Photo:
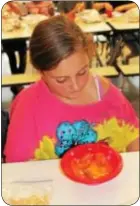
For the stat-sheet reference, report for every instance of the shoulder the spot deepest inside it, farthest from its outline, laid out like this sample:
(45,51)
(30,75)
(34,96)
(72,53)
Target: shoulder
(28,93)
(26,99)
(110,89)
(105,84)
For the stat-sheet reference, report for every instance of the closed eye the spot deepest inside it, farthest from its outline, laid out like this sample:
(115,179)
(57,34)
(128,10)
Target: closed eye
(82,73)
(61,81)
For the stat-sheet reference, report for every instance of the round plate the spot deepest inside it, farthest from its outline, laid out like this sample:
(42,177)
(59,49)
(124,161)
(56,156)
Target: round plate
(91,154)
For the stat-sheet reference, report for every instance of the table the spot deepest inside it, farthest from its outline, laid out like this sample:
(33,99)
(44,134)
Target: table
(19,79)
(26,33)
(17,34)
(122,30)
(101,27)
(131,69)
(107,71)
(122,189)
(24,79)
(123,26)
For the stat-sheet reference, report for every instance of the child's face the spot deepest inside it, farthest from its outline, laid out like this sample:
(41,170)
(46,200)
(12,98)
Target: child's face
(70,76)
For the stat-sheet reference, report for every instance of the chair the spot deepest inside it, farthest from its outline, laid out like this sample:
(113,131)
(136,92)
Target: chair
(4,128)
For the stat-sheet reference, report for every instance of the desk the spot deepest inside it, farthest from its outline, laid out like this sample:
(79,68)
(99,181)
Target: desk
(122,189)
(19,79)
(23,79)
(131,69)
(108,71)
(122,26)
(93,28)
(17,34)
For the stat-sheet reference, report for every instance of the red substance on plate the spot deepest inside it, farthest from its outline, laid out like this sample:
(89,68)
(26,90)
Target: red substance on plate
(91,163)
(109,13)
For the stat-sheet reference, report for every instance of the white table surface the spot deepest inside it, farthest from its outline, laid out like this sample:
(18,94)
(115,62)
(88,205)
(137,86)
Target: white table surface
(124,189)
(24,32)
(17,34)
(120,22)
(93,28)
(120,25)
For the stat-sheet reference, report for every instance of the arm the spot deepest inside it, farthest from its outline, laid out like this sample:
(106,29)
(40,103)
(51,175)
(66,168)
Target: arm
(32,8)
(102,5)
(124,124)
(78,8)
(134,146)
(126,7)
(18,7)
(131,118)
(21,132)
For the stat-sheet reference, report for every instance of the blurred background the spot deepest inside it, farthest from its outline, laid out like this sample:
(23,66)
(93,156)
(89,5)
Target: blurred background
(113,26)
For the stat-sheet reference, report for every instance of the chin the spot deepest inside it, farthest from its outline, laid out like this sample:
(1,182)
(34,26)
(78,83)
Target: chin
(74,95)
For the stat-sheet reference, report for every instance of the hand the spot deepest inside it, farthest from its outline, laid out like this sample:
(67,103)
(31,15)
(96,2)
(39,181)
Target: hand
(134,146)
(18,8)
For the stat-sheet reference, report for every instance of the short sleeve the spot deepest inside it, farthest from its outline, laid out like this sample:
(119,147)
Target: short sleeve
(129,113)
(123,121)
(22,131)
(130,122)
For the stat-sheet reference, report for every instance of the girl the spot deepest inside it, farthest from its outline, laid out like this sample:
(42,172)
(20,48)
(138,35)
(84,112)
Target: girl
(69,105)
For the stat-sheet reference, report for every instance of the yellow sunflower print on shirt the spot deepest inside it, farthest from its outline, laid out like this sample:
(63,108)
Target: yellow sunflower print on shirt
(46,149)
(118,134)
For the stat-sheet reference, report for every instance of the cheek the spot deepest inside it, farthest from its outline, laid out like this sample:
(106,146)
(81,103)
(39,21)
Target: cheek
(57,88)
(54,87)
(61,89)
(82,81)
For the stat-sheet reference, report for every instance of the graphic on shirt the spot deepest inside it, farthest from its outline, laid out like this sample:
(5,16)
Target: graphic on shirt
(118,134)
(46,149)
(69,135)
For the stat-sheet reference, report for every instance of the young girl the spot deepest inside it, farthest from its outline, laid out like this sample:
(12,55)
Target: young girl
(69,105)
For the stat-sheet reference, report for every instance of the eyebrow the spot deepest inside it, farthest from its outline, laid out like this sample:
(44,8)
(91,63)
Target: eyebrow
(55,77)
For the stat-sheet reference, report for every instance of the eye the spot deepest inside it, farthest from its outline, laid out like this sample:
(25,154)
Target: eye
(61,81)
(82,73)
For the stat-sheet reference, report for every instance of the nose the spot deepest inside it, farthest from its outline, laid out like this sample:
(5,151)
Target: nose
(74,85)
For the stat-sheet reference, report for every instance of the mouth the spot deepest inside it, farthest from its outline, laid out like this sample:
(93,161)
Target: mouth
(74,95)
(77,92)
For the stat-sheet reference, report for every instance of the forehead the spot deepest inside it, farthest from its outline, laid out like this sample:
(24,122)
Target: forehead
(71,65)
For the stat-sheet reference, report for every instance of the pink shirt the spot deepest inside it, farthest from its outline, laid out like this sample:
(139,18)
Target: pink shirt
(43,127)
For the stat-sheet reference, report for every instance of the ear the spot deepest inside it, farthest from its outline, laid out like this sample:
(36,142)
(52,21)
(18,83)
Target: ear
(42,73)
